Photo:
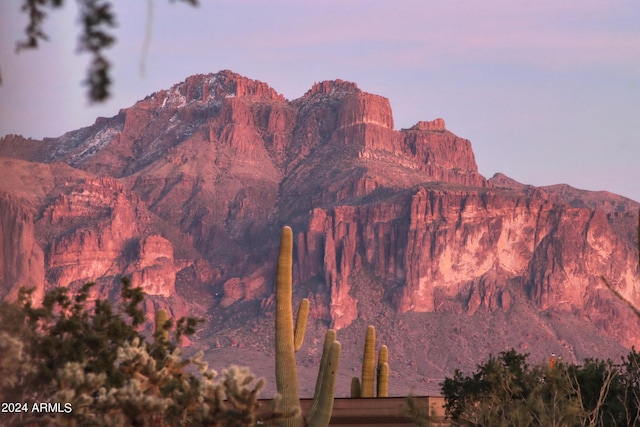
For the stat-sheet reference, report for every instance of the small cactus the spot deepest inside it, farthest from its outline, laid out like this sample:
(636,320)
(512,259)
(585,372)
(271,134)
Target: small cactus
(355,388)
(382,380)
(365,387)
(368,363)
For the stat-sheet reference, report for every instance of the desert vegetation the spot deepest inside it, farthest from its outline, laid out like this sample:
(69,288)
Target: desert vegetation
(507,391)
(75,362)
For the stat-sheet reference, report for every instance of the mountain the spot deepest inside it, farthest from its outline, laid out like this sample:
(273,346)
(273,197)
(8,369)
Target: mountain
(186,192)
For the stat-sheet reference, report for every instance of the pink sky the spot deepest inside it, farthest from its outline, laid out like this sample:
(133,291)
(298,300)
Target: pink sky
(548,92)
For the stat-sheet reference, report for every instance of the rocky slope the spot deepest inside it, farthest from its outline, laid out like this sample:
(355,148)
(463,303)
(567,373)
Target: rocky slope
(186,191)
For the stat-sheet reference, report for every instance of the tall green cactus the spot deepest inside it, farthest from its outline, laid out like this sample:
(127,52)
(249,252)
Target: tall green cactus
(288,342)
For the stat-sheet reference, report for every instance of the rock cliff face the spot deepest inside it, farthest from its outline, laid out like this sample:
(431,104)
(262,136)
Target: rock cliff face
(155,270)
(101,221)
(186,192)
(21,259)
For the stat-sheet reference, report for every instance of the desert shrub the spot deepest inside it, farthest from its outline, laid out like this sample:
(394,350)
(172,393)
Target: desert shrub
(497,394)
(628,398)
(506,391)
(92,367)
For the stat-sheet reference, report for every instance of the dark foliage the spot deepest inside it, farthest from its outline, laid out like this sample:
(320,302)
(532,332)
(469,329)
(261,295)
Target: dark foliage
(91,356)
(505,391)
(64,330)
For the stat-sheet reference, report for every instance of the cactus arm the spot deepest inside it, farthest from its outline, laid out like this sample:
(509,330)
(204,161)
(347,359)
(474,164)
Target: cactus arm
(301,324)
(383,355)
(383,380)
(329,339)
(355,387)
(322,415)
(368,363)
(286,369)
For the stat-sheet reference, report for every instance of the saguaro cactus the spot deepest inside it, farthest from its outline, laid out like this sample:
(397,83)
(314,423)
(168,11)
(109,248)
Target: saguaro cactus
(365,388)
(288,342)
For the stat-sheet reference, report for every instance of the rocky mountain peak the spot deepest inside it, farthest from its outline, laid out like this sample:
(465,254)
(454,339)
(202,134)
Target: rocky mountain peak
(433,125)
(332,87)
(210,88)
(350,104)
(501,180)
(231,84)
